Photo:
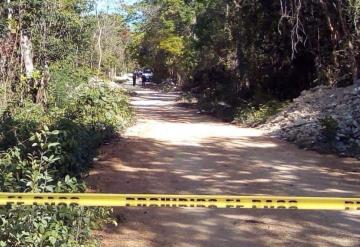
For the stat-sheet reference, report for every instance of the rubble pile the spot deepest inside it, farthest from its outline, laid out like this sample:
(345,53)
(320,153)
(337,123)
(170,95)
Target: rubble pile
(323,118)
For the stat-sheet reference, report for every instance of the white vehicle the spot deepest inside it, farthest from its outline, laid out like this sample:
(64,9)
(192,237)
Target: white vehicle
(147,75)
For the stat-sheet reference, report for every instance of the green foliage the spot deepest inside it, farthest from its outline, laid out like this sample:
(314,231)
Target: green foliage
(59,28)
(18,123)
(100,108)
(329,128)
(236,49)
(50,147)
(161,41)
(65,76)
(49,226)
(113,39)
(32,168)
(50,151)
(55,30)
(254,115)
(174,45)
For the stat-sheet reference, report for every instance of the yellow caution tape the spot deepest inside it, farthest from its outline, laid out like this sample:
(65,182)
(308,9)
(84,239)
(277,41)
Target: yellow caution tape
(193,201)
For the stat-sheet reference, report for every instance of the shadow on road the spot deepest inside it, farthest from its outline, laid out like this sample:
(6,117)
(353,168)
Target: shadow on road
(160,155)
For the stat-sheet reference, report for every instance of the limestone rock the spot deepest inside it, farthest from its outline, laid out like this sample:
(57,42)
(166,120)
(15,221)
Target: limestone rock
(322,118)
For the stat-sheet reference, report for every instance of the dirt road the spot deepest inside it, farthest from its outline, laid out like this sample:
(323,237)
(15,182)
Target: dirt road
(176,150)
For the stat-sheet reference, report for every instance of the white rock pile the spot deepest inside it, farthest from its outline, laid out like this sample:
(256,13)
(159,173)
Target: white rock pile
(306,120)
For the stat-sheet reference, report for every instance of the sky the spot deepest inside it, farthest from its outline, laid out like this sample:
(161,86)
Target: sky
(111,5)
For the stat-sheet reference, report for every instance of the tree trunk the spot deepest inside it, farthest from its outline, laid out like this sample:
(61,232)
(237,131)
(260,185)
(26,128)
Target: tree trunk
(10,11)
(354,59)
(26,54)
(99,45)
(354,63)
(41,92)
(356,78)
(179,78)
(334,35)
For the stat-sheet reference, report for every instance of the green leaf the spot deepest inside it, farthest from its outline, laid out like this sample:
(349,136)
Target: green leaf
(52,240)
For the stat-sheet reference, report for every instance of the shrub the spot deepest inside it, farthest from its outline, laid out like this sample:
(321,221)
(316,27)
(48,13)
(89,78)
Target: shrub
(100,108)
(33,170)
(50,151)
(255,115)
(92,115)
(329,128)
(18,123)
(65,76)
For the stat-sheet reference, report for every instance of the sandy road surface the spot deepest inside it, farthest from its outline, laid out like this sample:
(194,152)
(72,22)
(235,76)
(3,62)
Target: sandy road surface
(175,150)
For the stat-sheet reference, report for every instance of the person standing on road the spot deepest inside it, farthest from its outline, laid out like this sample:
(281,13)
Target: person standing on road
(143,80)
(134,78)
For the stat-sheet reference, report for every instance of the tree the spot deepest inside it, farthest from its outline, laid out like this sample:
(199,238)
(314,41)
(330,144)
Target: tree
(251,50)
(41,32)
(110,41)
(161,40)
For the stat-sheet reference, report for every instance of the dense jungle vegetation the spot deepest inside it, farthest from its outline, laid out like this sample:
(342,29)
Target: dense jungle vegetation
(54,112)
(248,53)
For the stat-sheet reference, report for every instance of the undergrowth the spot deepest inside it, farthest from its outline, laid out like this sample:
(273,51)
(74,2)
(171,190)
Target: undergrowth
(247,113)
(68,75)
(252,115)
(50,149)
